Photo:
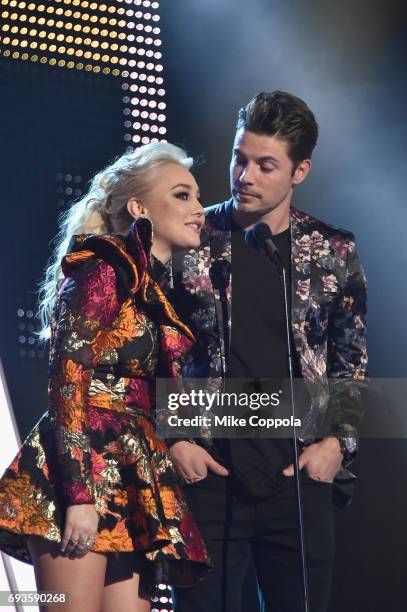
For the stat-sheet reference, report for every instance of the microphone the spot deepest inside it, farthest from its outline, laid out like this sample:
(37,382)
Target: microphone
(219,273)
(260,237)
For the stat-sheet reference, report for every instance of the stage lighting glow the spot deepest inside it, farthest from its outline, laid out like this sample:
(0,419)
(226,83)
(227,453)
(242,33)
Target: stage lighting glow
(103,35)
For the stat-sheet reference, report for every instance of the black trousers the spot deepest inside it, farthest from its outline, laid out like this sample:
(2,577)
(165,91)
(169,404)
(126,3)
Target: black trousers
(236,531)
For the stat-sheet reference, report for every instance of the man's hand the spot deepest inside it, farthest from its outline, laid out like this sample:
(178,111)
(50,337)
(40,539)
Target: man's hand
(192,461)
(322,460)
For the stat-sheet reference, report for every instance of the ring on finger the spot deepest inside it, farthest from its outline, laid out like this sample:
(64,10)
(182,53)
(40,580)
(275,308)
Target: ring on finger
(88,543)
(72,543)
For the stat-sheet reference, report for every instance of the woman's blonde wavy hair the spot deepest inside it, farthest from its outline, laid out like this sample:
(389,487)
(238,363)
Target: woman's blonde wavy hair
(103,210)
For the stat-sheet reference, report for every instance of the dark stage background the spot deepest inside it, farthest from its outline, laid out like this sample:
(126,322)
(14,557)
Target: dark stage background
(347,61)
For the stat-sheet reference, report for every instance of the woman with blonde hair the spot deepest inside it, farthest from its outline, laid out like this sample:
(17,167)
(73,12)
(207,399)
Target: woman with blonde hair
(92,498)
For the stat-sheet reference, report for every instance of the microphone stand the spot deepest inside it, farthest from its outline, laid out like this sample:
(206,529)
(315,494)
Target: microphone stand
(274,256)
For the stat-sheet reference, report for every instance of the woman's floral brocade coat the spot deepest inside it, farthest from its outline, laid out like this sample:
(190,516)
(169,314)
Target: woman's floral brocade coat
(113,332)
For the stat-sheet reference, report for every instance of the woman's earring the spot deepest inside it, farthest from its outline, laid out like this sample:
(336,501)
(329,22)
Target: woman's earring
(171,275)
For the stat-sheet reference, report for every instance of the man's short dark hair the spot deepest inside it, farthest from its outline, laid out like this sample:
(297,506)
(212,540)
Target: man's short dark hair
(283,115)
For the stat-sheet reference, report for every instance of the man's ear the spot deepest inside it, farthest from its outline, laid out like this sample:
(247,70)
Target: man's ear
(301,171)
(135,207)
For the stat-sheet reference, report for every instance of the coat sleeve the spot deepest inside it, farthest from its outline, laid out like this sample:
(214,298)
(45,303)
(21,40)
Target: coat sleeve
(87,305)
(347,351)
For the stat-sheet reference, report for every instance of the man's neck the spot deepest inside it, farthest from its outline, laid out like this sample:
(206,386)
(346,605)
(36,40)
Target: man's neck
(277,219)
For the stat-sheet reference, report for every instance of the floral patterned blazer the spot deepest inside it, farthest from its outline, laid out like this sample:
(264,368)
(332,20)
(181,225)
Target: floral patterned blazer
(328,315)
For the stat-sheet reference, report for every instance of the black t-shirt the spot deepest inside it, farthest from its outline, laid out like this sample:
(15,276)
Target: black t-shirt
(258,351)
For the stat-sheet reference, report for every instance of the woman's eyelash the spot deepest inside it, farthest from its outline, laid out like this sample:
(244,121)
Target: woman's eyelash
(181,194)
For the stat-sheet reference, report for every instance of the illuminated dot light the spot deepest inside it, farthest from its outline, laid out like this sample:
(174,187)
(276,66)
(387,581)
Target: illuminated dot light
(98,20)
(142,75)
(120,39)
(69,186)
(27,329)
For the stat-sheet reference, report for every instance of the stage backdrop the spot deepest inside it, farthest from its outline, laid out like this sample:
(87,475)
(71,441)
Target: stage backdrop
(70,104)
(346,60)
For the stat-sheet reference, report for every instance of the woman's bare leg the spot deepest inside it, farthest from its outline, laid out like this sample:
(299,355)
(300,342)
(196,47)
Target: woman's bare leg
(121,592)
(81,579)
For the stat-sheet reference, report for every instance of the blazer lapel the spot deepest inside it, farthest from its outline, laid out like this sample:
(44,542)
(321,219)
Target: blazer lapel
(221,277)
(301,273)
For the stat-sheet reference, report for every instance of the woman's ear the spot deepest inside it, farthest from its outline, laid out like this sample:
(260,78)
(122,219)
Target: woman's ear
(135,208)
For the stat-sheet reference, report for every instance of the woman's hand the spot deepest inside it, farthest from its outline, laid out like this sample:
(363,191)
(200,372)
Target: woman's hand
(80,530)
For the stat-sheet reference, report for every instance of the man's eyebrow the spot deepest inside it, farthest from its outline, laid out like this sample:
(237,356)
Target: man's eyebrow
(261,159)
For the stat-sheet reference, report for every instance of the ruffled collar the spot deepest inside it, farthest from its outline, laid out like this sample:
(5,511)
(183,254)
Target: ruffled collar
(131,252)
(136,269)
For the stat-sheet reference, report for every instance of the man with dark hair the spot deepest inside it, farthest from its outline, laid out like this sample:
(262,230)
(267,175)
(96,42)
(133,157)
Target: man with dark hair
(284,116)
(242,490)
